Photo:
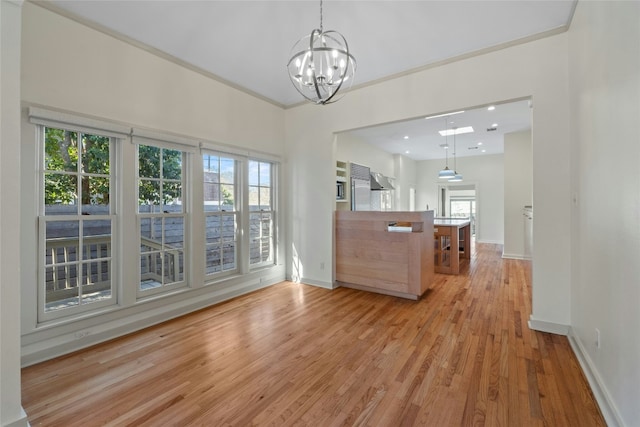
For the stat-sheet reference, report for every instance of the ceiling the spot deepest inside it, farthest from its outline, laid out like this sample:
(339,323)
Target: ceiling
(247,44)
(419,139)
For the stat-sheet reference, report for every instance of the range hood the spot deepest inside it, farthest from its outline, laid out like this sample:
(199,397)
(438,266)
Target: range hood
(380,182)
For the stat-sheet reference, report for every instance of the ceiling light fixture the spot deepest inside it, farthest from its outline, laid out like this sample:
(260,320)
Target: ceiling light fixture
(321,65)
(406,137)
(491,107)
(458,131)
(456,176)
(446,173)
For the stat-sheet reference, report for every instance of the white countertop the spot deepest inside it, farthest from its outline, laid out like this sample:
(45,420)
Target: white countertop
(450,222)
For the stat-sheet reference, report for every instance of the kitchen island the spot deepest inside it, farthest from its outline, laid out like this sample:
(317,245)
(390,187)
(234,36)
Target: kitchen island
(385,252)
(452,243)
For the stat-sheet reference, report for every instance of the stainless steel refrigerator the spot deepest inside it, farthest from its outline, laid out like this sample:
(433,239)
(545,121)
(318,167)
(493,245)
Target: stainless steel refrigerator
(360,188)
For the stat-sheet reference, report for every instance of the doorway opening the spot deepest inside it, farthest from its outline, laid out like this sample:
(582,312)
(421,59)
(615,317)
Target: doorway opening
(458,201)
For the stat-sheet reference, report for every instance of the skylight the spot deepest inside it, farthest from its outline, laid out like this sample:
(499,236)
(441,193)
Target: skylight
(458,131)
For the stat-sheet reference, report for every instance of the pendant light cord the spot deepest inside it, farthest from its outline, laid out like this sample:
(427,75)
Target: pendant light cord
(446,143)
(455,165)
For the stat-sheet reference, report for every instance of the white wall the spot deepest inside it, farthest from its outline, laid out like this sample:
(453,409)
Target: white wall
(350,148)
(68,66)
(406,178)
(518,190)
(604,62)
(487,174)
(11,412)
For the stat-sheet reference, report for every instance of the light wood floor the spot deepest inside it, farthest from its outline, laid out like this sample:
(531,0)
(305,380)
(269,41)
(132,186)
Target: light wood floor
(300,355)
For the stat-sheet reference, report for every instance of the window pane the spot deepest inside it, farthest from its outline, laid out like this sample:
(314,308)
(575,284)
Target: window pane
(265,198)
(229,256)
(173,267)
(173,232)
(213,229)
(96,237)
(227,171)
(172,196)
(254,198)
(254,225)
(211,197)
(150,234)
(254,173)
(265,224)
(148,196)
(148,161)
(96,279)
(60,194)
(150,271)
(61,287)
(265,174)
(210,164)
(61,150)
(228,197)
(228,228)
(172,164)
(62,241)
(213,260)
(254,251)
(95,194)
(95,154)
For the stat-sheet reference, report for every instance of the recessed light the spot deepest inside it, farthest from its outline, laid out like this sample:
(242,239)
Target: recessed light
(407,152)
(484,151)
(458,131)
(406,137)
(480,143)
(495,125)
(491,107)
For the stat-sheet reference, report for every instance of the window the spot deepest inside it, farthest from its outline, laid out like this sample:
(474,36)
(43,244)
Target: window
(261,213)
(221,215)
(76,222)
(162,218)
(114,221)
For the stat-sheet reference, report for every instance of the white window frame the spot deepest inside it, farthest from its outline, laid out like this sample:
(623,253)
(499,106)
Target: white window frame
(42,314)
(237,213)
(163,216)
(273,213)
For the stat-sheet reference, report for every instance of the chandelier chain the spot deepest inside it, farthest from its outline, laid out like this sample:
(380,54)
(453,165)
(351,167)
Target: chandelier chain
(321,29)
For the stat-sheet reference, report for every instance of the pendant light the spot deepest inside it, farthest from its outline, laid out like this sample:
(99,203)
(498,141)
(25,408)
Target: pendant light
(446,173)
(456,176)
(321,65)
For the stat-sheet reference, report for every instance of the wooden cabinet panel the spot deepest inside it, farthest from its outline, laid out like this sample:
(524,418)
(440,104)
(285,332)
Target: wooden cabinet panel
(372,258)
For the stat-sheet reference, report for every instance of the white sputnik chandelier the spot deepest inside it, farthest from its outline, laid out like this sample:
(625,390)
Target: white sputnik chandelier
(321,65)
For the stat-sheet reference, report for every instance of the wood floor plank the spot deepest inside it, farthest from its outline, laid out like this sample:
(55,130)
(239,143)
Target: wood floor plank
(297,355)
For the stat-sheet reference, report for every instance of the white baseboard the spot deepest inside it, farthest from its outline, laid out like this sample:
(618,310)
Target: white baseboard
(549,327)
(607,407)
(318,283)
(507,255)
(20,422)
(491,242)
